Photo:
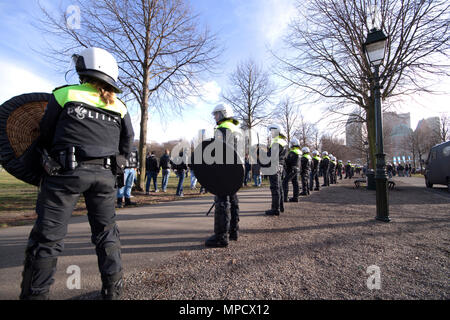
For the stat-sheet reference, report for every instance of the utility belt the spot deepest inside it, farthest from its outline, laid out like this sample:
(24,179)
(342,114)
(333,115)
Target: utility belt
(69,160)
(66,160)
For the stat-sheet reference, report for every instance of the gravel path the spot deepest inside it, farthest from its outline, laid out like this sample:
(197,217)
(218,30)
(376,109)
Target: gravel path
(319,248)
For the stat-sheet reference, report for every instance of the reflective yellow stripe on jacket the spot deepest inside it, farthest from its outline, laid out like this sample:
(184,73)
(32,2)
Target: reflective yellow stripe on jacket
(228,124)
(86,93)
(295,150)
(280,140)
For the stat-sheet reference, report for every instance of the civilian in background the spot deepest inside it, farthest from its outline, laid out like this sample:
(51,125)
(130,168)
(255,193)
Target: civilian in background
(164,164)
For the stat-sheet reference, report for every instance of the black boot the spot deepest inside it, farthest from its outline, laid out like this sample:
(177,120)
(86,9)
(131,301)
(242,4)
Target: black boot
(37,276)
(221,225)
(272,212)
(119,202)
(293,200)
(129,203)
(317,189)
(112,287)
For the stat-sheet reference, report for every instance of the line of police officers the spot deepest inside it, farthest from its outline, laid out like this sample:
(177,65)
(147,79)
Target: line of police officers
(294,162)
(87,133)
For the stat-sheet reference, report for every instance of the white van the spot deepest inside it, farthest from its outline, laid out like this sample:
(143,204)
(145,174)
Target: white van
(437,170)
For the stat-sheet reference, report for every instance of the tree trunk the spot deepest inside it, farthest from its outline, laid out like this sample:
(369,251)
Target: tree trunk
(142,146)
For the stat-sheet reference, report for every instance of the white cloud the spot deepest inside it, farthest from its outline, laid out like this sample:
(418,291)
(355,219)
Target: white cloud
(16,80)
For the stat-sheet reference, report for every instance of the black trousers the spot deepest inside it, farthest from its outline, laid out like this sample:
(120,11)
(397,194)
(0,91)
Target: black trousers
(305,181)
(277,191)
(224,222)
(332,177)
(290,176)
(314,177)
(57,198)
(347,174)
(326,178)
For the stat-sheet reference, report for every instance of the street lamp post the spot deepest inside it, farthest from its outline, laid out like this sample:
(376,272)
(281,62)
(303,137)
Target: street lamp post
(374,47)
(366,145)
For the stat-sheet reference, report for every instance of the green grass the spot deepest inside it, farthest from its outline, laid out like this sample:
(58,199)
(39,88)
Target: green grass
(16,195)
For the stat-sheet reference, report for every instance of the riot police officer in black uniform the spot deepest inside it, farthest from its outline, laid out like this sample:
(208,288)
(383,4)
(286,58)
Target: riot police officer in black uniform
(292,167)
(315,171)
(325,165)
(278,145)
(84,127)
(305,170)
(339,169)
(226,213)
(348,170)
(332,170)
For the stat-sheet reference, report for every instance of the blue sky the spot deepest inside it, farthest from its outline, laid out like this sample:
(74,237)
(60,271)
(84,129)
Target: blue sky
(245,28)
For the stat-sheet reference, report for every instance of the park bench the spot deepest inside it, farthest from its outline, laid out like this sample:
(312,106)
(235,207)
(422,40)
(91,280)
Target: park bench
(391,183)
(359,181)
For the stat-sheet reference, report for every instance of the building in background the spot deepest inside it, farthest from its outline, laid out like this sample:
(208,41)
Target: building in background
(396,131)
(431,125)
(353,132)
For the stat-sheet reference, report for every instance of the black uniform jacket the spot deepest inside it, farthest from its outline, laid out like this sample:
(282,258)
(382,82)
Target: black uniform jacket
(95,132)
(292,162)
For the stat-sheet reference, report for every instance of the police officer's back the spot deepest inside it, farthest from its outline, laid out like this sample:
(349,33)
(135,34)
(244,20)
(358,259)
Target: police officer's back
(278,145)
(292,166)
(325,166)
(84,127)
(226,212)
(305,170)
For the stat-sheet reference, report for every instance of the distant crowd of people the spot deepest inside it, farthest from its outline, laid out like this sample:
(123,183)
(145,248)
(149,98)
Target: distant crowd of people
(401,170)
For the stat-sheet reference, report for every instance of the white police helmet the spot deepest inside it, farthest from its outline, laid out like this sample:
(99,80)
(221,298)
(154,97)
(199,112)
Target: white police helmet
(294,142)
(315,153)
(324,153)
(99,64)
(274,126)
(340,161)
(305,150)
(225,109)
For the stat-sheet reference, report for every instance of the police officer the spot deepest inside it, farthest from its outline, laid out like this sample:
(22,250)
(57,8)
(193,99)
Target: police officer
(305,169)
(292,170)
(314,177)
(278,145)
(339,169)
(83,128)
(225,206)
(332,169)
(348,170)
(325,165)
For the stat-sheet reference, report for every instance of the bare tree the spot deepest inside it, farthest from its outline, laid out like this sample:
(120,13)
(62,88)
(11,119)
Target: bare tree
(326,57)
(288,113)
(249,94)
(306,132)
(427,135)
(316,138)
(411,141)
(161,50)
(444,127)
(335,146)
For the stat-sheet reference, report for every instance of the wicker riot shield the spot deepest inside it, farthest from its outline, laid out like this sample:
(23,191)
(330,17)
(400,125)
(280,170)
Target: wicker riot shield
(19,129)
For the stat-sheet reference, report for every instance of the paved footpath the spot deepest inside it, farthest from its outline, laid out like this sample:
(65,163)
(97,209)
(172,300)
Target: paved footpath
(149,235)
